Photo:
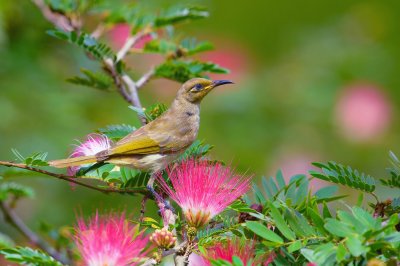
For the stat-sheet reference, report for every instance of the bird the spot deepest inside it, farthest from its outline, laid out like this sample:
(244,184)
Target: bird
(155,145)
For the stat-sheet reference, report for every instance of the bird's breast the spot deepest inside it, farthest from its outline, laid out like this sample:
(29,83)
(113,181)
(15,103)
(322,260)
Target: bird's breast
(155,162)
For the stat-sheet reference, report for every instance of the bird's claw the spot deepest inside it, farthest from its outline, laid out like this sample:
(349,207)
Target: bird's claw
(159,198)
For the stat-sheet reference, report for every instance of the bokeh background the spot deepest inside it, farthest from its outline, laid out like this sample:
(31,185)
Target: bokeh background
(315,81)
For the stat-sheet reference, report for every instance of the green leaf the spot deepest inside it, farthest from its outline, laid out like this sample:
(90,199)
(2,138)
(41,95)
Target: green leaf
(36,159)
(237,261)
(85,41)
(393,181)
(344,175)
(280,223)
(28,256)
(266,187)
(337,228)
(18,155)
(317,220)
(6,241)
(117,132)
(196,150)
(360,199)
(97,80)
(151,113)
(17,190)
(63,6)
(326,192)
(264,232)
(355,246)
(240,206)
(350,220)
(280,180)
(341,253)
(191,46)
(365,218)
(325,211)
(177,15)
(160,46)
(308,254)
(295,246)
(395,203)
(182,71)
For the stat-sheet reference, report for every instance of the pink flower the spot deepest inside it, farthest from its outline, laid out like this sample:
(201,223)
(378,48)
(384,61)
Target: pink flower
(232,55)
(93,144)
(363,112)
(121,32)
(110,241)
(203,190)
(226,250)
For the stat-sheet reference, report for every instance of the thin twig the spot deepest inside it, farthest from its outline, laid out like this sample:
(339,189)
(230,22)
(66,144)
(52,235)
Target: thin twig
(132,89)
(145,78)
(126,86)
(165,253)
(143,208)
(59,20)
(13,219)
(74,180)
(98,31)
(129,43)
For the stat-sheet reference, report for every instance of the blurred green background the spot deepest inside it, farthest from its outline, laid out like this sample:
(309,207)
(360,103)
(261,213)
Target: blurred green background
(315,81)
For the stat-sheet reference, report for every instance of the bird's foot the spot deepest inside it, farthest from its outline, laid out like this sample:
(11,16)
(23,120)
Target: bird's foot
(159,198)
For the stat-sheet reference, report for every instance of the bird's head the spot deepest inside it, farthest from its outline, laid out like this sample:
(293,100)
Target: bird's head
(194,90)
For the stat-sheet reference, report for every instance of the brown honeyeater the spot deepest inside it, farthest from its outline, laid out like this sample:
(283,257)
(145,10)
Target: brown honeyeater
(156,144)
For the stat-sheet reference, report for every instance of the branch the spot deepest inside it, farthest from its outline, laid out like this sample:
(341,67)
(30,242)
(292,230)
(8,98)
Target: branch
(59,20)
(126,86)
(145,78)
(12,218)
(73,179)
(143,208)
(130,42)
(98,31)
(165,253)
(184,260)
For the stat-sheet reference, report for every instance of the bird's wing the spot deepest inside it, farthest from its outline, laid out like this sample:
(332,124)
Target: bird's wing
(138,142)
(147,140)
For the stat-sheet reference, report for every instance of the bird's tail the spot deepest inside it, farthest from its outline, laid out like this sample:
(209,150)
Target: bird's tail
(76,161)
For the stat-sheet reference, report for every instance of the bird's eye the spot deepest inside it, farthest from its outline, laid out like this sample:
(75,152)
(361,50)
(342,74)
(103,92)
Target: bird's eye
(198,87)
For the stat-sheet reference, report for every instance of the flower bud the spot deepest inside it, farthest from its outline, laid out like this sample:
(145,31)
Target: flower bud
(163,238)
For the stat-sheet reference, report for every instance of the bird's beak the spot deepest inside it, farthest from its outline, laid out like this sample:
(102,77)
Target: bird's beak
(217,83)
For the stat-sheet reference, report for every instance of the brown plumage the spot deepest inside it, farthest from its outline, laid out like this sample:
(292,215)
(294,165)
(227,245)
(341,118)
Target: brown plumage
(161,141)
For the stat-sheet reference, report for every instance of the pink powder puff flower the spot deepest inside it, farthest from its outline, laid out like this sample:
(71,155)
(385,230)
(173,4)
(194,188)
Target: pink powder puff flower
(245,251)
(110,241)
(363,112)
(203,190)
(93,144)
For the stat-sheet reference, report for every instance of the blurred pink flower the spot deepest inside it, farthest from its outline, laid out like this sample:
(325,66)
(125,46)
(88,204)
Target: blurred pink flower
(120,32)
(110,240)
(230,55)
(196,260)
(297,163)
(203,190)
(226,250)
(363,112)
(93,144)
